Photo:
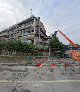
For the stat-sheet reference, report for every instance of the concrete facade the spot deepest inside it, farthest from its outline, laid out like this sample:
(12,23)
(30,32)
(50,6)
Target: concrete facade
(30,30)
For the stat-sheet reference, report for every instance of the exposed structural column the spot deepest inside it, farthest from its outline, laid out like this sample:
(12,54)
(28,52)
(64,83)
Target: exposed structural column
(39,32)
(34,31)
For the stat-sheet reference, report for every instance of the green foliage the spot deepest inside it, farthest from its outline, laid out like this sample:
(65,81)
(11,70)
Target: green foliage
(18,46)
(3,45)
(56,45)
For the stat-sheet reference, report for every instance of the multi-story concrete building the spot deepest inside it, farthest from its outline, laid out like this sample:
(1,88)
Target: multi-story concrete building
(30,30)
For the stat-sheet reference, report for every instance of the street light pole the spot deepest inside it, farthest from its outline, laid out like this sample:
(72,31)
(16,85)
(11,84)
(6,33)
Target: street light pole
(49,48)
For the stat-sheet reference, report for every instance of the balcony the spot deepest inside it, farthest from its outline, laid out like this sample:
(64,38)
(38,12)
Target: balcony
(30,37)
(24,27)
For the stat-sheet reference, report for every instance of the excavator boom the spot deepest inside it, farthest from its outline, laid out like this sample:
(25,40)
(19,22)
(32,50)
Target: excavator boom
(71,42)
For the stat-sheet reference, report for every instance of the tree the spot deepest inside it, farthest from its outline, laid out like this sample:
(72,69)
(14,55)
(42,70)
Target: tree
(3,46)
(31,48)
(57,47)
(16,46)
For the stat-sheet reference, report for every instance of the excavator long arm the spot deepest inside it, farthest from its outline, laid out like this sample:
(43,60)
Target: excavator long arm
(71,42)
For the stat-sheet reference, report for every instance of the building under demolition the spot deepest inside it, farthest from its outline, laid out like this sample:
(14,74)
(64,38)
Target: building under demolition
(30,30)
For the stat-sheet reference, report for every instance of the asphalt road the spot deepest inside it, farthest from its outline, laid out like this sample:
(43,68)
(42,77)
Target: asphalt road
(39,79)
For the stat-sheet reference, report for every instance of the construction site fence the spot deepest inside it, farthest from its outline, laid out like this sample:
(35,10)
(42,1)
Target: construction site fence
(43,59)
(39,57)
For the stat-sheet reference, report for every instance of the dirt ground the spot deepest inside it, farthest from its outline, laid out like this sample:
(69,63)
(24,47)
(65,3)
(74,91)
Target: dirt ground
(22,77)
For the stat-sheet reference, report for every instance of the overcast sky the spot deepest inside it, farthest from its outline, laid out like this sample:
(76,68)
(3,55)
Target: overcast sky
(61,15)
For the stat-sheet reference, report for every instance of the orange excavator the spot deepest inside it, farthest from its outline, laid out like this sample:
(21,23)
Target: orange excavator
(75,54)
